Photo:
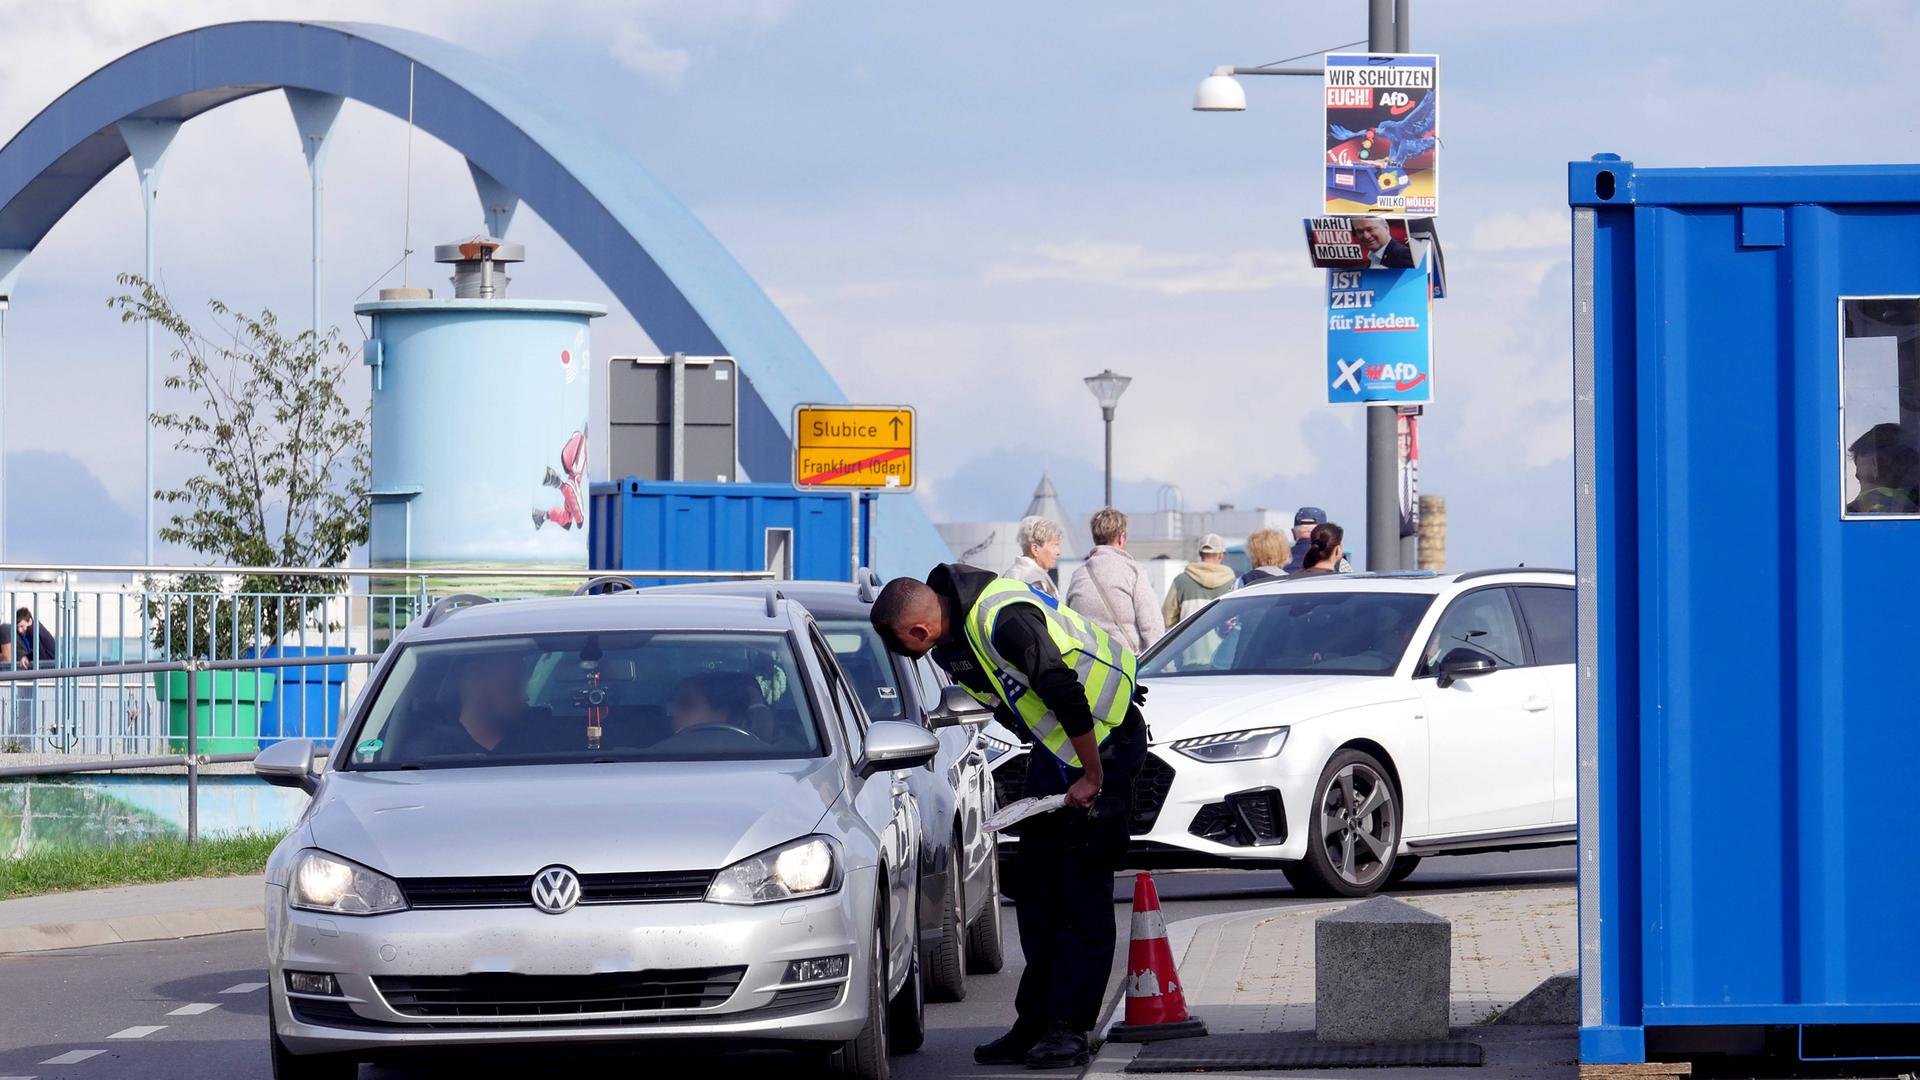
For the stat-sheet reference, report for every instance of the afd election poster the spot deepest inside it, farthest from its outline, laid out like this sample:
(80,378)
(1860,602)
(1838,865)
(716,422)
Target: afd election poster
(1382,134)
(1358,243)
(1379,348)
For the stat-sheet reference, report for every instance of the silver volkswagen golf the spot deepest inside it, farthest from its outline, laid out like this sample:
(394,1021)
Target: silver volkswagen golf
(600,819)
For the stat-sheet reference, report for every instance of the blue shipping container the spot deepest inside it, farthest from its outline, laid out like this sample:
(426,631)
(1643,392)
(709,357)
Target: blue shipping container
(1747,397)
(663,525)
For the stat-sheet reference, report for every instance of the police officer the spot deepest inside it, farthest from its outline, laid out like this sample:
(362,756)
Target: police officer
(1065,686)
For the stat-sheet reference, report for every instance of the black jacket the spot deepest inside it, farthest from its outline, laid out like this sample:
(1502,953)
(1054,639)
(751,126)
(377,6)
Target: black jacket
(1021,637)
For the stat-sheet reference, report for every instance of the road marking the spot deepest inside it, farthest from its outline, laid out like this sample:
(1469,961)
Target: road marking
(244,988)
(195,1009)
(73,1057)
(138,1031)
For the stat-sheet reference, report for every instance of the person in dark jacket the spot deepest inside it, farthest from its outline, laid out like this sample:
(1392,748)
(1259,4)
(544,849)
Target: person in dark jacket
(1067,857)
(32,644)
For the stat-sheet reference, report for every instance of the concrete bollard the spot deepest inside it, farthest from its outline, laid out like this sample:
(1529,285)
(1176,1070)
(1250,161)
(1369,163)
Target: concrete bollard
(1382,973)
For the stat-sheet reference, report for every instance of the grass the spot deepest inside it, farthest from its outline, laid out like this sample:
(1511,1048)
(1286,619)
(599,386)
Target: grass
(63,869)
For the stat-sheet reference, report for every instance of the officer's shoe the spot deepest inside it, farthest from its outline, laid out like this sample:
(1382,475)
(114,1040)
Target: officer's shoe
(1061,1048)
(1008,1049)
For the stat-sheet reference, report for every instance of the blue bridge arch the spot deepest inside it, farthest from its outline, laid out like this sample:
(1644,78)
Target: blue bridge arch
(682,286)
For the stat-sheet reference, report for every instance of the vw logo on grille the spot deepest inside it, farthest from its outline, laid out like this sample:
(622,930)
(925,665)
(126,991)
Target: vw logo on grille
(555,890)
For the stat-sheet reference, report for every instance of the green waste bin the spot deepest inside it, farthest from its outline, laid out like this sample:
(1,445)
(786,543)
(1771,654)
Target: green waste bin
(225,706)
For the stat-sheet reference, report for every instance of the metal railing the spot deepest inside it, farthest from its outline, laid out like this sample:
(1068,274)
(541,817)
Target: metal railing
(106,714)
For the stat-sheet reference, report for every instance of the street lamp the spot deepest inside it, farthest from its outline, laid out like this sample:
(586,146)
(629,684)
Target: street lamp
(1107,388)
(1220,92)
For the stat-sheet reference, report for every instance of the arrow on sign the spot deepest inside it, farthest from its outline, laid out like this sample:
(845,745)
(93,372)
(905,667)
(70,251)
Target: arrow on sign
(896,427)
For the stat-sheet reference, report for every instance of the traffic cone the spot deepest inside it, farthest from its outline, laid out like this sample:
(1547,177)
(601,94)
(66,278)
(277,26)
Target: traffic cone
(1156,1005)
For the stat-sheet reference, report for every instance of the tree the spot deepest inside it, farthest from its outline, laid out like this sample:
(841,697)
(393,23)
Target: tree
(283,471)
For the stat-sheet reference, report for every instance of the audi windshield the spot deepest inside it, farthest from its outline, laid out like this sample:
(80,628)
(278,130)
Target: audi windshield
(585,697)
(1293,633)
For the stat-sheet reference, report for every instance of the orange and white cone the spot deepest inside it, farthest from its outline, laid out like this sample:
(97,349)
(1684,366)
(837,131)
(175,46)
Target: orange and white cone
(1156,1005)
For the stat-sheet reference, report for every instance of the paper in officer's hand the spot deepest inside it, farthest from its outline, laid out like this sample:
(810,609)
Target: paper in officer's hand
(1022,809)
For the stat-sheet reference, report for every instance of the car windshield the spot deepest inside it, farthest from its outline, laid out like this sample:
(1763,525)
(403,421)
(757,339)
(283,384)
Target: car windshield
(581,697)
(864,658)
(1293,633)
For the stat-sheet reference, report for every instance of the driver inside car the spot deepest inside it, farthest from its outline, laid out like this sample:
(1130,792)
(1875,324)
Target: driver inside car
(714,699)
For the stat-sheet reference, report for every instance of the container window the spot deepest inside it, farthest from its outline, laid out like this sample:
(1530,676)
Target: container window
(1880,407)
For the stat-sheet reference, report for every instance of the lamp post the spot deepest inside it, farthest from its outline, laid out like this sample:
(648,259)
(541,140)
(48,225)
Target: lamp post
(1107,388)
(1389,26)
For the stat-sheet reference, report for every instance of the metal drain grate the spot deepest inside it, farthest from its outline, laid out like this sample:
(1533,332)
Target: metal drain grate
(1300,1051)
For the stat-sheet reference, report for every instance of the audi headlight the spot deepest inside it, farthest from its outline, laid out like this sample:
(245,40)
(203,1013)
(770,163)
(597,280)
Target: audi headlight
(1235,745)
(994,749)
(337,886)
(809,866)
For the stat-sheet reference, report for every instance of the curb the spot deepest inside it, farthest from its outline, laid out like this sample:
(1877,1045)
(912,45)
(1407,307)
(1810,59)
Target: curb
(125,928)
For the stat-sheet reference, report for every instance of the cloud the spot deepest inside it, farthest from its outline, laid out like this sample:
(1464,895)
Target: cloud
(1131,266)
(1521,232)
(636,51)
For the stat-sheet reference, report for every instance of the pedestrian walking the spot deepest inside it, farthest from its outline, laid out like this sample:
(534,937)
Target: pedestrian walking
(1039,553)
(1326,551)
(1205,578)
(1113,589)
(1267,556)
(1305,520)
(1013,650)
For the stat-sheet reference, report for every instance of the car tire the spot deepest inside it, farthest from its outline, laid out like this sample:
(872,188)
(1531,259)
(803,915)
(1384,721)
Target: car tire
(1353,829)
(907,1018)
(949,967)
(288,1065)
(1403,868)
(864,1056)
(984,952)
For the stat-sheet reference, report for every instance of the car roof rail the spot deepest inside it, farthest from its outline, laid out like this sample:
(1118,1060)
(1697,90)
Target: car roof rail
(447,605)
(774,599)
(605,585)
(1472,574)
(869,584)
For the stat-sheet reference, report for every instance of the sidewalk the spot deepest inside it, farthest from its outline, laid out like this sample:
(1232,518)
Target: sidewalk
(1252,972)
(173,909)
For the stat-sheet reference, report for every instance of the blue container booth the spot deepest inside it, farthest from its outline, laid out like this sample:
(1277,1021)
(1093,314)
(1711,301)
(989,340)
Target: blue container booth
(665,525)
(1747,388)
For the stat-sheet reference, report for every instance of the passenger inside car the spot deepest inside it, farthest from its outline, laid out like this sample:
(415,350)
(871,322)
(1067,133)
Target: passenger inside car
(487,712)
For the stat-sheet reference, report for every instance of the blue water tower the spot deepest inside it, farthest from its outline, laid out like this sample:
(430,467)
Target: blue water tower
(480,408)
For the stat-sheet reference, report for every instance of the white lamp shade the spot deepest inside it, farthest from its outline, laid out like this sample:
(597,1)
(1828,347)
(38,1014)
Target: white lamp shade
(1220,93)
(1107,387)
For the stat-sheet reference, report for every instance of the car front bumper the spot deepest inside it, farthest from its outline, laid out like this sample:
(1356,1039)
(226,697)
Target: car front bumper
(363,952)
(1197,813)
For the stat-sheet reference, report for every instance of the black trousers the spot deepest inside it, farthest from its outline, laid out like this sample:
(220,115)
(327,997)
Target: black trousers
(1065,903)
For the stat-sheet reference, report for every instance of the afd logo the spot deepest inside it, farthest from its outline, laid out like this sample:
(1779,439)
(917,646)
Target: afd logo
(1402,372)
(1358,376)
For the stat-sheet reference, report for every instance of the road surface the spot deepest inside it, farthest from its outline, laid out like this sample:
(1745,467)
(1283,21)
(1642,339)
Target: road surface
(195,1008)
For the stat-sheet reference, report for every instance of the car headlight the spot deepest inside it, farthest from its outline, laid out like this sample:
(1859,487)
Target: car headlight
(1235,745)
(994,749)
(808,866)
(337,886)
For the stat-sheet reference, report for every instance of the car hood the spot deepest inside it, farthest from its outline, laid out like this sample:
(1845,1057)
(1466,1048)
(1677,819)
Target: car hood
(1188,707)
(623,817)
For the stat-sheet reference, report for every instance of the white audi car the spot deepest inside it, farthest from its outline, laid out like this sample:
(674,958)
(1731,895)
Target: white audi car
(1344,726)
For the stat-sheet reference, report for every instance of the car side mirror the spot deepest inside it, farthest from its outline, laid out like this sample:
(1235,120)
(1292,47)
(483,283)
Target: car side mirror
(957,707)
(288,764)
(895,744)
(1463,664)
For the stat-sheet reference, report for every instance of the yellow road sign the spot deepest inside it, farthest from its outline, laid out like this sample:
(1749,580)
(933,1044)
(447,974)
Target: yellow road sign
(853,446)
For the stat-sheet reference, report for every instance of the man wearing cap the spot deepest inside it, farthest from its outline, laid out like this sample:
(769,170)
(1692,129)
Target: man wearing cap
(1304,521)
(1204,579)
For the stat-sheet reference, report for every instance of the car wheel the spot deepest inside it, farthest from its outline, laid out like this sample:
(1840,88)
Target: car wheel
(1355,830)
(907,1020)
(865,1055)
(288,1065)
(949,981)
(1403,868)
(984,953)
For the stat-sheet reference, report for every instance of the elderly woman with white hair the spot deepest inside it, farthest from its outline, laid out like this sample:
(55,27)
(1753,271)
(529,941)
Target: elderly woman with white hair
(1039,554)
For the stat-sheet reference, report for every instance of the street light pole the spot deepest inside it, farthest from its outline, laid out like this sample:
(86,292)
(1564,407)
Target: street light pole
(1383,425)
(1107,388)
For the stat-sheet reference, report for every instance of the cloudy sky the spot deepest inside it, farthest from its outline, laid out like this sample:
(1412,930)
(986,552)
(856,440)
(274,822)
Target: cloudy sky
(957,203)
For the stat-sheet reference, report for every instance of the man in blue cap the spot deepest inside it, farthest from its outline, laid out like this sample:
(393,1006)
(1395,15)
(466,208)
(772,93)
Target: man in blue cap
(1304,520)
